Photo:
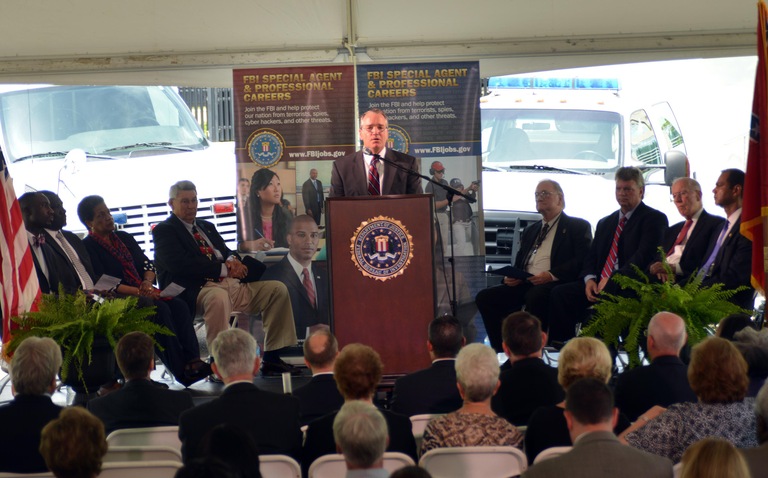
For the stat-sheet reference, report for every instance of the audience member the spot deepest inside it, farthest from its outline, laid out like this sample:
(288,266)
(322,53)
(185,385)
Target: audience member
(753,345)
(433,390)
(74,444)
(596,452)
(320,395)
(33,371)
(733,323)
(235,447)
(360,433)
(474,424)
(714,458)
(357,371)
(757,458)
(529,383)
(140,402)
(718,376)
(207,467)
(665,380)
(411,471)
(269,219)
(582,357)
(271,419)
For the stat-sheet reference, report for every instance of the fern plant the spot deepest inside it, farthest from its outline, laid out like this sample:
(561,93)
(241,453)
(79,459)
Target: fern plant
(74,320)
(700,307)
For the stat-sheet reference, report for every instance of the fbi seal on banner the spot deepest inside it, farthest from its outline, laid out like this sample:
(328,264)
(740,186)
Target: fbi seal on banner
(399,139)
(265,147)
(381,248)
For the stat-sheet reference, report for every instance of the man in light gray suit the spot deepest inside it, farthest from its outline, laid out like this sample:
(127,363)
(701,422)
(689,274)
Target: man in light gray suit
(596,452)
(757,458)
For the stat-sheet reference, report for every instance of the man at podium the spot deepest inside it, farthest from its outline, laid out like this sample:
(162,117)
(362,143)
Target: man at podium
(364,173)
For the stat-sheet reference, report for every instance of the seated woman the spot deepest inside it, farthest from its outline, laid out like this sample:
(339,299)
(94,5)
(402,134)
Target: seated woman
(718,376)
(269,219)
(474,424)
(581,357)
(713,458)
(116,253)
(74,444)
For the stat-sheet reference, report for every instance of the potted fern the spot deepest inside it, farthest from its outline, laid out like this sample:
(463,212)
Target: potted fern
(86,331)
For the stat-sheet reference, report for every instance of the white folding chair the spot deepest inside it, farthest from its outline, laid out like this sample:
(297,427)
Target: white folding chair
(46,474)
(150,436)
(279,466)
(145,469)
(419,424)
(551,453)
(142,453)
(474,462)
(333,466)
(677,469)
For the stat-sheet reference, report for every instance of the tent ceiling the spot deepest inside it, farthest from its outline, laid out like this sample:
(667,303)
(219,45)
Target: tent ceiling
(199,43)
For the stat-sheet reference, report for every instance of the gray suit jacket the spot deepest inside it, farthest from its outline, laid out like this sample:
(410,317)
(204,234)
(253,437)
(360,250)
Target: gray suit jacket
(349,177)
(600,454)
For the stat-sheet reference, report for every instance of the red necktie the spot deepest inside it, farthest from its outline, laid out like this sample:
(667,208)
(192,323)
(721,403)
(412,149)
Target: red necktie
(307,281)
(681,236)
(373,177)
(613,255)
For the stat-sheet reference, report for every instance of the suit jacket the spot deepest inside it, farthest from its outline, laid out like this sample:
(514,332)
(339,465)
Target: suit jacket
(569,246)
(663,382)
(140,403)
(23,419)
(601,454)
(304,313)
(733,265)
(432,390)
(105,263)
(309,196)
(178,258)
(350,178)
(271,419)
(60,269)
(318,397)
(707,229)
(527,385)
(757,459)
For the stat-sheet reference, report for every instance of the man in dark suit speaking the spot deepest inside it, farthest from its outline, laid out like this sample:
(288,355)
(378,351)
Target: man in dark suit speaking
(364,174)
(552,249)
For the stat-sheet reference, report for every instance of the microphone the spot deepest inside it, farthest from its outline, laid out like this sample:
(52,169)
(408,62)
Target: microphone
(367,150)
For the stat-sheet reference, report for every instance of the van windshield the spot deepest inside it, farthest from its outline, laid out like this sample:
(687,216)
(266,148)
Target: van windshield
(46,123)
(568,139)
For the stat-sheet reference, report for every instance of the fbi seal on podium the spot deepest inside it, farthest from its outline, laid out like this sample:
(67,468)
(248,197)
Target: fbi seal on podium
(265,147)
(381,248)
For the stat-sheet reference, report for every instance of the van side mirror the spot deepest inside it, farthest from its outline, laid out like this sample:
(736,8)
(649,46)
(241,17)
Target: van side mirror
(675,166)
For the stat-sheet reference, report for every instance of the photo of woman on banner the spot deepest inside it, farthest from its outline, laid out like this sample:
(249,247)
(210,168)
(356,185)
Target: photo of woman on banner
(269,219)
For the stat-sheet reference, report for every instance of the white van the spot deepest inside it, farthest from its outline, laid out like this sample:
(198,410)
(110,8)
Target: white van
(577,132)
(125,143)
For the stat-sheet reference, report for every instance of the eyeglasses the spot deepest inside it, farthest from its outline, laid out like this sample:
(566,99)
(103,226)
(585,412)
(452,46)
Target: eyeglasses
(379,128)
(681,194)
(543,194)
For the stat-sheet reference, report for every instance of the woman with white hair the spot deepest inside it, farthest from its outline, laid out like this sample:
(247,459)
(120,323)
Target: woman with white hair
(474,424)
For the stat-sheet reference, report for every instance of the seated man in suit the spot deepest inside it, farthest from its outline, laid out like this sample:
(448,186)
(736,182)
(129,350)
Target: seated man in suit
(364,173)
(433,390)
(307,285)
(191,253)
(33,376)
(360,433)
(686,242)
(591,416)
(320,395)
(665,380)
(357,371)
(272,419)
(529,383)
(624,238)
(140,402)
(757,458)
(552,250)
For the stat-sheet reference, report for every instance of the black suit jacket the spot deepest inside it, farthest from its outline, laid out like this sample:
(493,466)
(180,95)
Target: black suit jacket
(527,385)
(140,403)
(663,382)
(23,419)
(60,269)
(432,390)
(271,419)
(304,313)
(695,249)
(569,246)
(350,178)
(318,397)
(178,258)
(733,266)
(105,263)
(309,196)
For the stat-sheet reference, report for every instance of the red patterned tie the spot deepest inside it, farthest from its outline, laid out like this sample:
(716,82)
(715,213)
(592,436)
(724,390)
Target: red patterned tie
(307,281)
(613,255)
(373,177)
(681,236)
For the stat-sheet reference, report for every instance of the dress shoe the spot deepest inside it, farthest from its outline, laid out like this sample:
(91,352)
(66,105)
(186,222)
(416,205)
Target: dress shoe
(194,372)
(276,369)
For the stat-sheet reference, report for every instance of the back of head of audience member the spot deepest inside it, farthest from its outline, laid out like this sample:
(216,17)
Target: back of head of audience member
(235,355)
(207,467)
(320,351)
(361,435)
(135,355)
(583,357)
(34,366)
(411,471)
(713,458)
(589,407)
(477,372)
(753,345)
(718,372)
(666,335)
(445,337)
(522,336)
(74,444)
(733,323)
(761,412)
(357,372)
(234,446)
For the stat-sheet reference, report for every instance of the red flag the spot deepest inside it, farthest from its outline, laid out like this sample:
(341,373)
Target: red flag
(755,206)
(19,289)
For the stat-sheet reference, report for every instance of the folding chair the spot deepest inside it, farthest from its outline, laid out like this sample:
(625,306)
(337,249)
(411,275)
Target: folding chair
(474,462)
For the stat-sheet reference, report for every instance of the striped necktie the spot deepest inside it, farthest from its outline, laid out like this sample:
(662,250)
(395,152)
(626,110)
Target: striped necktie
(374,189)
(307,281)
(613,255)
(681,237)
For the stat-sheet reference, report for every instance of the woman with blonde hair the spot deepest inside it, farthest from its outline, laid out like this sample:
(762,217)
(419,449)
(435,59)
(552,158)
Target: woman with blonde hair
(713,458)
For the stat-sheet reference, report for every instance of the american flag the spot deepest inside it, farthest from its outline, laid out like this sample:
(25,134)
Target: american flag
(18,283)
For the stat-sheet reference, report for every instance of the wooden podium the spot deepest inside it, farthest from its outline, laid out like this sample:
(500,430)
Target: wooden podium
(380,256)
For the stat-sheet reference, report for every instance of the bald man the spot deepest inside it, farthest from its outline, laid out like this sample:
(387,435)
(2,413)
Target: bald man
(665,380)
(320,395)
